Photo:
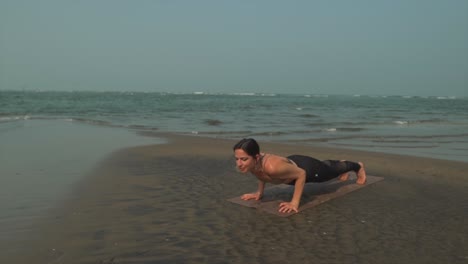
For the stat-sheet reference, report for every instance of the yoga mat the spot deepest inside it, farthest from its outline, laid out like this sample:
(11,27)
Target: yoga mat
(313,195)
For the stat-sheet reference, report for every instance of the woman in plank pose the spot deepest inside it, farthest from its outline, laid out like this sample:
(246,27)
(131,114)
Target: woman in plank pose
(294,170)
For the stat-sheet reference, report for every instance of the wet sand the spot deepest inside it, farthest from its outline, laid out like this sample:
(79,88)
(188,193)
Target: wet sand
(167,204)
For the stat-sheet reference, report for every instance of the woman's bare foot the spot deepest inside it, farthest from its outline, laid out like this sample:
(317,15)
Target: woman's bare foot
(344,176)
(361,175)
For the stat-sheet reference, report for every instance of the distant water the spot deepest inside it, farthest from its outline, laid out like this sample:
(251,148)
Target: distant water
(420,126)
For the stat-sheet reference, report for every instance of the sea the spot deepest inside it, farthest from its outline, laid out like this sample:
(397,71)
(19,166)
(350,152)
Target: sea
(425,126)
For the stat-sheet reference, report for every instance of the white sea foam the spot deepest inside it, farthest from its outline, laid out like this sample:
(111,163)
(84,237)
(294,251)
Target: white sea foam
(13,118)
(330,129)
(398,122)
(446,97)
(244,94)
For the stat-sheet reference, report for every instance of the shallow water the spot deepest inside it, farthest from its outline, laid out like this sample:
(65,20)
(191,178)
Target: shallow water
(41,161)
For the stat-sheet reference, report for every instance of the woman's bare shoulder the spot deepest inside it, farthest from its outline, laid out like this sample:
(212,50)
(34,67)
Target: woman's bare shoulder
(272,162)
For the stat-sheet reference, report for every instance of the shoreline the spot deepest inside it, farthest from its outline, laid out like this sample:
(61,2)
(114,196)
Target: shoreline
(167,202)
(375,162)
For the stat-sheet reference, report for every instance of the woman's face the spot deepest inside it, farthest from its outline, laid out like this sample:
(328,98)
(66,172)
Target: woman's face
(244,162)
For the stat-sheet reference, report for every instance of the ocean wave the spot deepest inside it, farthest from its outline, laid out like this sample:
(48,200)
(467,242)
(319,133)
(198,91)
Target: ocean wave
(243,94)
(398,122)
(78,120)
(446,97)
(344,124)
(92,121)
(423,121)
(316,96)
(220,132)
(444,138)
(441,138)
(308,115)
(350,129)
(141,127)
(371,146)
(417,140)
(8,118)
(212,122)
(429,121)
(270,133)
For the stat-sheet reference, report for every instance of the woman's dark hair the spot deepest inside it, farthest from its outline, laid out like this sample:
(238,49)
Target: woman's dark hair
(249,145)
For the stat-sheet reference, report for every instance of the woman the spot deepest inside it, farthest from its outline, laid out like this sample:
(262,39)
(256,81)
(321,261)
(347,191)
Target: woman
(294,170)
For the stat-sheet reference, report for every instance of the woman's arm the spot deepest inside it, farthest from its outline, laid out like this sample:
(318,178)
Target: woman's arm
(256,195)
(280,169)
(261,188)
(296,200)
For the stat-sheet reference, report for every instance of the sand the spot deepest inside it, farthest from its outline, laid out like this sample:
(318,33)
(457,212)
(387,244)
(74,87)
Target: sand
(167,204)
(314,194)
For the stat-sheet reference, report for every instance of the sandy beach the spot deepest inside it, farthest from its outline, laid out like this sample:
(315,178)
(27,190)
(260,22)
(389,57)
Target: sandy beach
(118,119)
(167,204)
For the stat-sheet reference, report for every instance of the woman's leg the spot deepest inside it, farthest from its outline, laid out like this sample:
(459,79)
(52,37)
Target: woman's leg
(343,167)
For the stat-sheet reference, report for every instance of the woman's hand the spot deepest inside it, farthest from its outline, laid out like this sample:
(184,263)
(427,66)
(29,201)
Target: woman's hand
(249,196)
(288,207)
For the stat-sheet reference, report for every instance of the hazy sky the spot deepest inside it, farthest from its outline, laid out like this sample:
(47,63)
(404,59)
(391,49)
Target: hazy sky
(406,47)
